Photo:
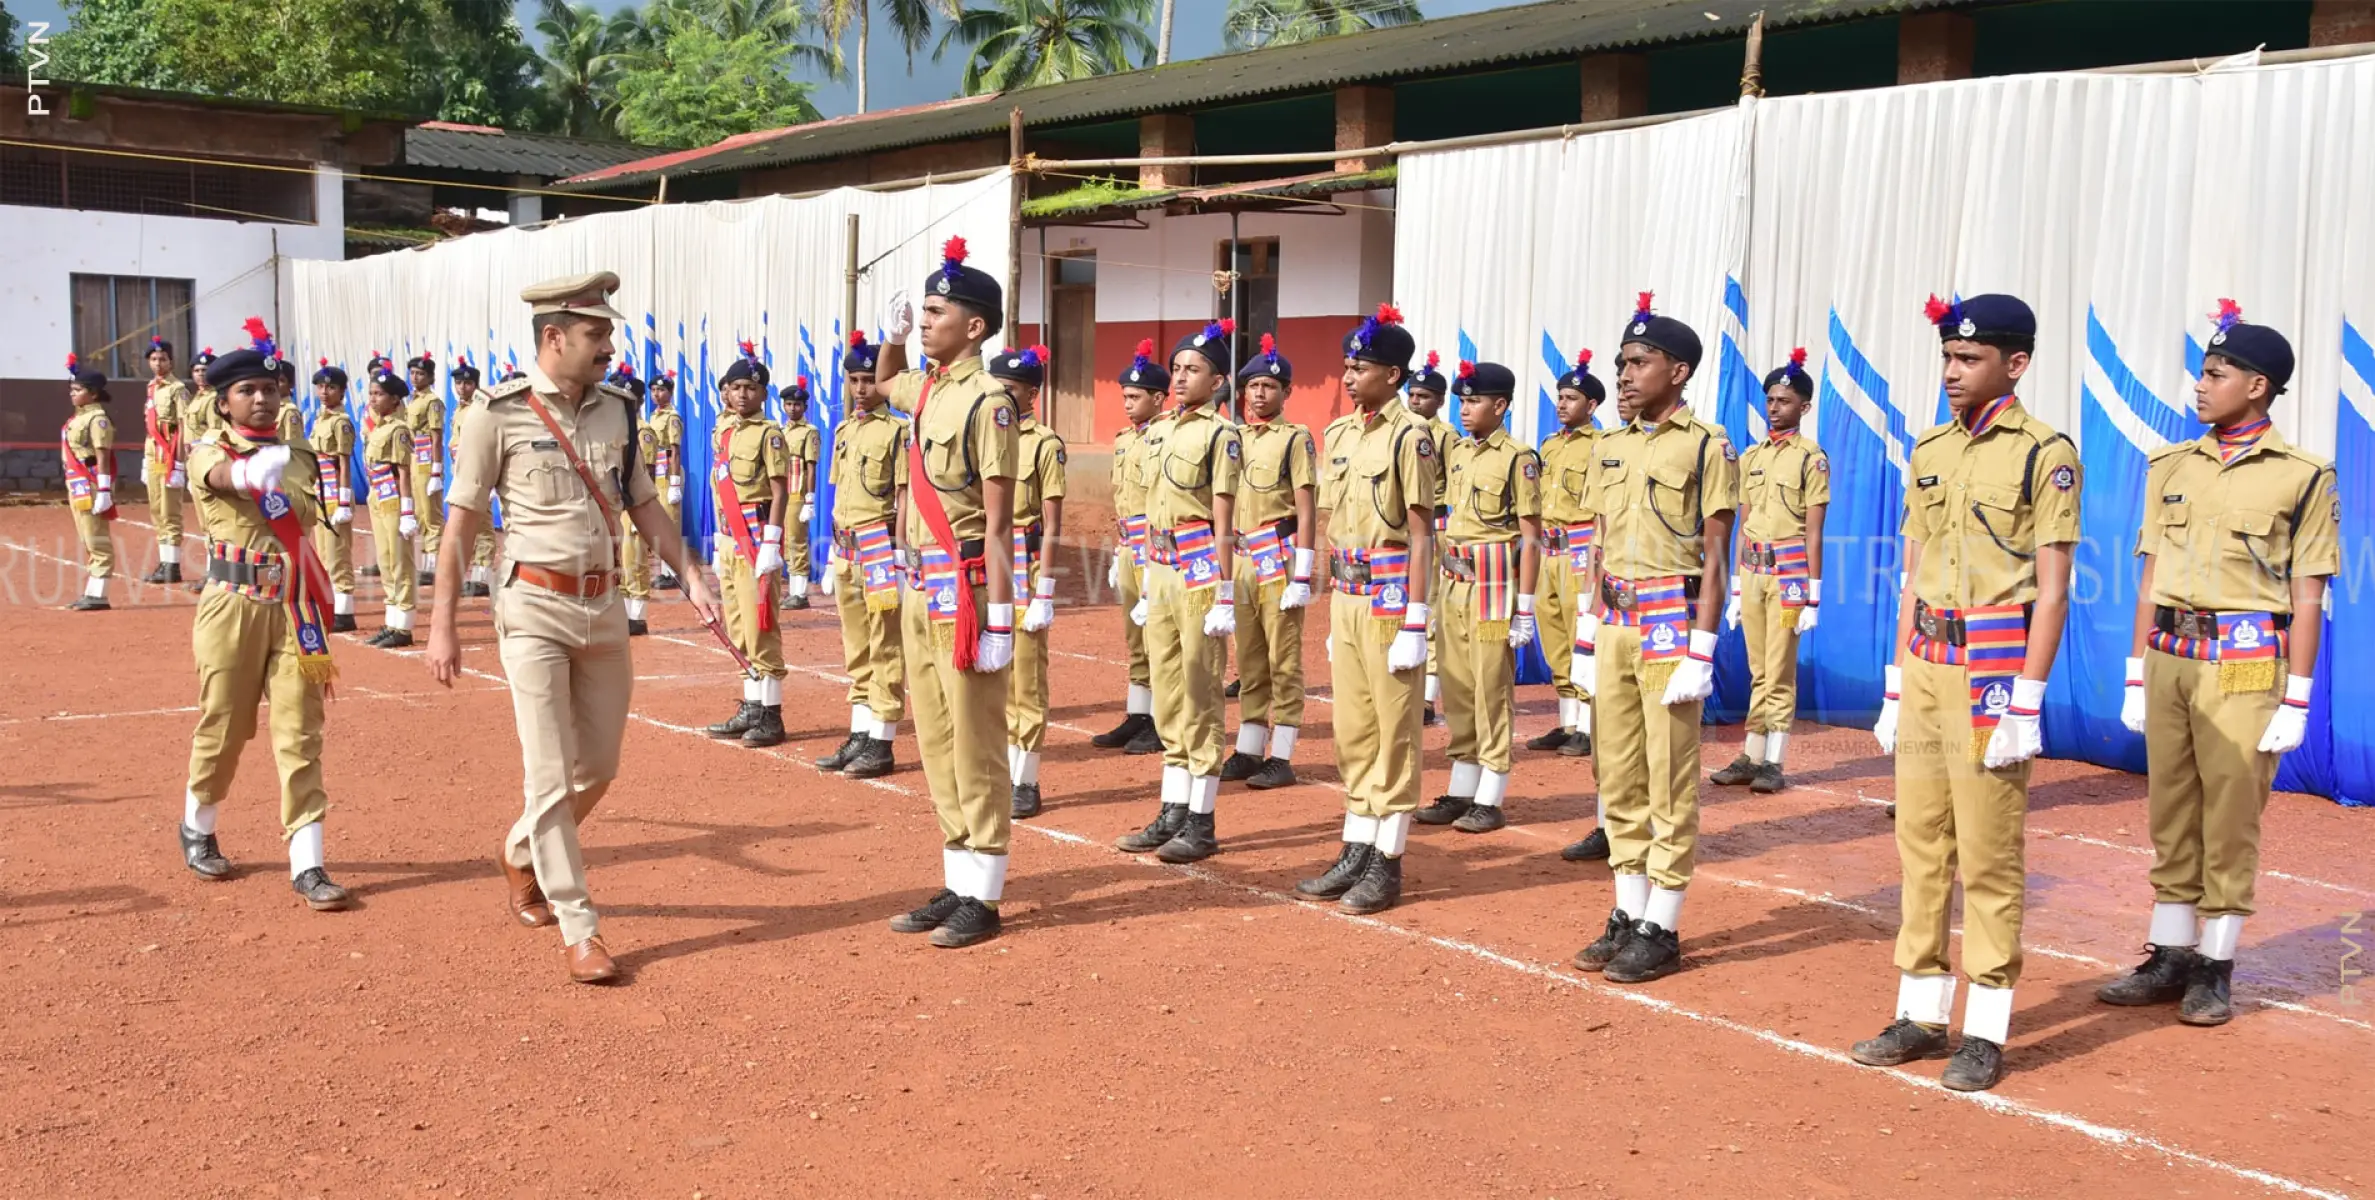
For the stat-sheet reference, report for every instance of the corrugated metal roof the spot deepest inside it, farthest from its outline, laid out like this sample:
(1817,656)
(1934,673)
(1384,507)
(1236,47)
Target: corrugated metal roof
(1550,30)
(494,151)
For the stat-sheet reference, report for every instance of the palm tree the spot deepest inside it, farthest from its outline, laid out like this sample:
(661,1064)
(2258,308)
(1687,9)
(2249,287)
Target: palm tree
(779,21)
(1163,35)
(910,19)
(1253,24)
(579,62)
(1026,43)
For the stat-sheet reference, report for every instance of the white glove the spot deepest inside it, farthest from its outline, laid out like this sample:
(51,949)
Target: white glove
(2290,723)
(1113,572)
(807,511)
(1221,619)
(2020,736)
(346,497)
(1732,606)
(177,477)
(2131,699)
(770,557)
(827,584)
(1042,612)
(1583,668)
(437,481)
(1694,676)
(1298,588)
(1885,729)
(898,318)
(1521,626)
(344,514)
(407,526)
(1409,651)
(1139,611)
(260,472)
(995,650)
(104,498)
(675,493)
(1807,616)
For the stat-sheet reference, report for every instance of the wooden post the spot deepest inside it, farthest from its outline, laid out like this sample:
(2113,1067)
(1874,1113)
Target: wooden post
(1752,73)
(1014,222)
(849,295)
(662,198)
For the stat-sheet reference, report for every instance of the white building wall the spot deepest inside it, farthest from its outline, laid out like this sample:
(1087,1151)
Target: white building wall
(1329,264)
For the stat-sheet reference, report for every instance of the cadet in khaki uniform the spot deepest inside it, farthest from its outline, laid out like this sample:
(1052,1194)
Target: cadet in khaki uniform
(261,629)
(750,477)
(1662,490)
(333,443)
(1785,484)
(165,460)
(1379,487)
(1490,559)
(1192,459)
(387,460)
(1276,519)
(1989,522)
(635,557)
(1038,523)
(199,419)
(957,618)
(1567,542)
(800,455)
(424,415)
(1428,390)
(87,451)
(558,449)
(1145,383)
(861,573)
(667,459)
(469,401)
(2240,538)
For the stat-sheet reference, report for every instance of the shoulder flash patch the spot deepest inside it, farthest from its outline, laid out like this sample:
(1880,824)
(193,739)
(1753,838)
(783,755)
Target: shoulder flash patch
(1004,416)
(1533,469)
(1231,443)
(1060,458)
(775,439)
(1426,446)
(1822,464)
(2064,478)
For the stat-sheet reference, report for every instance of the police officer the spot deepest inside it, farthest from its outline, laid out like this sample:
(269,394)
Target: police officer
(750,474)
(1662,489)
(1379,486)
(1277,516)
(424,415)
(261,630)
(388,459)
(87,451)
(2239,542)
(1567,540)
(957,627)
(559,629)
(468,403)
(333,445)
(1490,561)
(1189,593)
(1145,383)
(801,452)
(165,459)
(1427,391)
(1785,484)
(666,459)
(1989,524)
(861,573)
(1038,522)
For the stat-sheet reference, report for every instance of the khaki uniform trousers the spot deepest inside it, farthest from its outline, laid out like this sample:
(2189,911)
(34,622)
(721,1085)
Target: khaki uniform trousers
(1554,616)
(960,729)
(1377,712)
(1026,688)
(635,556)
(164,504)
(1648,765)
(395,555)
(1772,632)
(870,647)
(1133,633)
(336,545)
(795,546)
(1479,673)
(571,680)
(739,595)
(429,510)
(246,651)
(98,543)
(2209,783)
(1952,812)
(1187,668)
(1269,654)
(482,549)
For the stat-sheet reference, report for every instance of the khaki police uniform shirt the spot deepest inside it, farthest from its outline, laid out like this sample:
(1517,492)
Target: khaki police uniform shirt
(2230,537)
(1978,524)
(424,413)
(667,433)
(967,434)
(1196,457)
(548,519)
(866,451)
(1566,464)
(1129,495)
(167,398)
(756,451)
(1042,462)
(199,420)
(334,439)
(1447,435)
(1492,483)
(1652,488)
(390,441)
(1779,480)
(90,434)
(290,421)
(1378,468)
(1280,460)
(235,520)
(801,441)
(1143,466)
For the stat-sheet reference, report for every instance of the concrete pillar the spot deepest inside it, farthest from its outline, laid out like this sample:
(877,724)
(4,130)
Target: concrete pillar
(1166,135)
(1364,118)
(526,209)
(2341,22)
(1933,46)
(1614,86)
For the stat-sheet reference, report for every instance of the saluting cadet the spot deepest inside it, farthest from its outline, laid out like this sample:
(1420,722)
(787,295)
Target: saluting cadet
(424,415)
(1145,383)
(957,620)
(2241,534)
(558,449)
(333,444)
(750,475)
(1277,516)
(87,450)
(1038,522)
(1785,488)
(1189,593)
(1989,524)
(198,416)
(861,572)
(387,458)
(467,402)
(1490,559)
(1567,542)
(1428,389)
(165,461)
(634,583)
(1379,488)
(800,456)
(667,459)
(260,632)
(1662,489)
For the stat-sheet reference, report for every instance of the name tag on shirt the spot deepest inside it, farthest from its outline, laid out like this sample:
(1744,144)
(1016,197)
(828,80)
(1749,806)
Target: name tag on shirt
(1926,481)
(544,444)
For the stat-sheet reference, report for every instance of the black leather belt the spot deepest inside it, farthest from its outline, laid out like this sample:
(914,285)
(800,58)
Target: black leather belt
(1457,567)
(1347,572)
(1623,594)
(2200,623)
(1031,540)
(1948,626)
(912,557)
(1758,556)
(268,574)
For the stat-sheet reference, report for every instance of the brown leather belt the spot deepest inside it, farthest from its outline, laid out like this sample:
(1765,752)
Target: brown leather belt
(585,587)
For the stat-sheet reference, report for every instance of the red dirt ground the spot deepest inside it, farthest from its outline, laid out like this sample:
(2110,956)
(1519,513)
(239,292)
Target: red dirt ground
(1139,1030)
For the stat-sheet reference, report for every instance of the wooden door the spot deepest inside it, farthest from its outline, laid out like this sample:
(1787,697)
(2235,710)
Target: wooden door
(1072,406)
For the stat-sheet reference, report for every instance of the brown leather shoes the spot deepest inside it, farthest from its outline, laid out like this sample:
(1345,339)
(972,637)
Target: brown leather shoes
(527,902)
(589,961)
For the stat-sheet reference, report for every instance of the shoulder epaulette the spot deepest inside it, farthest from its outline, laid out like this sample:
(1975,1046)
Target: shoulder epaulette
(1932,432)
(2170,449)
(506,389)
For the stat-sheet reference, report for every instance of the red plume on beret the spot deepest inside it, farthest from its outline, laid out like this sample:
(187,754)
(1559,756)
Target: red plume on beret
(1433,360)
(73,364)
(1797,357)
(323,361)
(857,339)
(1387,314)
(1269,345)
(1039,350)
(2227,315)
(1583,359)
(1467,368)
(801,381)
(1146,347)
(1228,325)
(953,250)
(748,350)
(1935,310)
(1641,305)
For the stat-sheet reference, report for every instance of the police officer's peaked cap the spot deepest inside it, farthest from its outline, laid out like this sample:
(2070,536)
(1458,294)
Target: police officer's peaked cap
(1484,379)
(1381,339)
(1990,319)
(975,289)
(582,295)
(1679,341)
(2251,347)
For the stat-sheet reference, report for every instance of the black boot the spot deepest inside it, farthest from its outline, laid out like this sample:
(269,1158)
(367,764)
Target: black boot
(1444,811)
(1978,1065)
(1025,801)
(2162,979)
(1578,746)
(872,761)
(1157,831)
(738,724)
(929,916)
(797,600)
(1380,887)
(1240,767)
(1902,1042)
(1481,818)
(1768,779)
(320,894)
(342,623)
(636,627)
(1230,692)
(1120,735)
(1653,953)
(1739,771)
(1196,840)
(164,573)
(1275,773)
(1593,848)
(972,922)
(847,750)
(395,639)
(204,856)
(1145,741)
(1340,876)
(1611,942)
(2209,994)
(767,729)
(1428,717)
(1554,740)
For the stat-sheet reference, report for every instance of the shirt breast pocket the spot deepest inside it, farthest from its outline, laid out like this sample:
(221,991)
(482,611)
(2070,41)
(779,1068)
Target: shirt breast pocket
(1615,489)
(875,472)
(2176,530)
(2253,535)
(944,461)
(1571,482)
(1489,493)
(1673,493)
(1997,511)
(552,481)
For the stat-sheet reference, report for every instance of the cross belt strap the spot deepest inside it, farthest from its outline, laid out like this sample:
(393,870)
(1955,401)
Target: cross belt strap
(584,473)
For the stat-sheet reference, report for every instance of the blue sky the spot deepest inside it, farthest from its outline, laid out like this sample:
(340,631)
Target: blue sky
(1195,33)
